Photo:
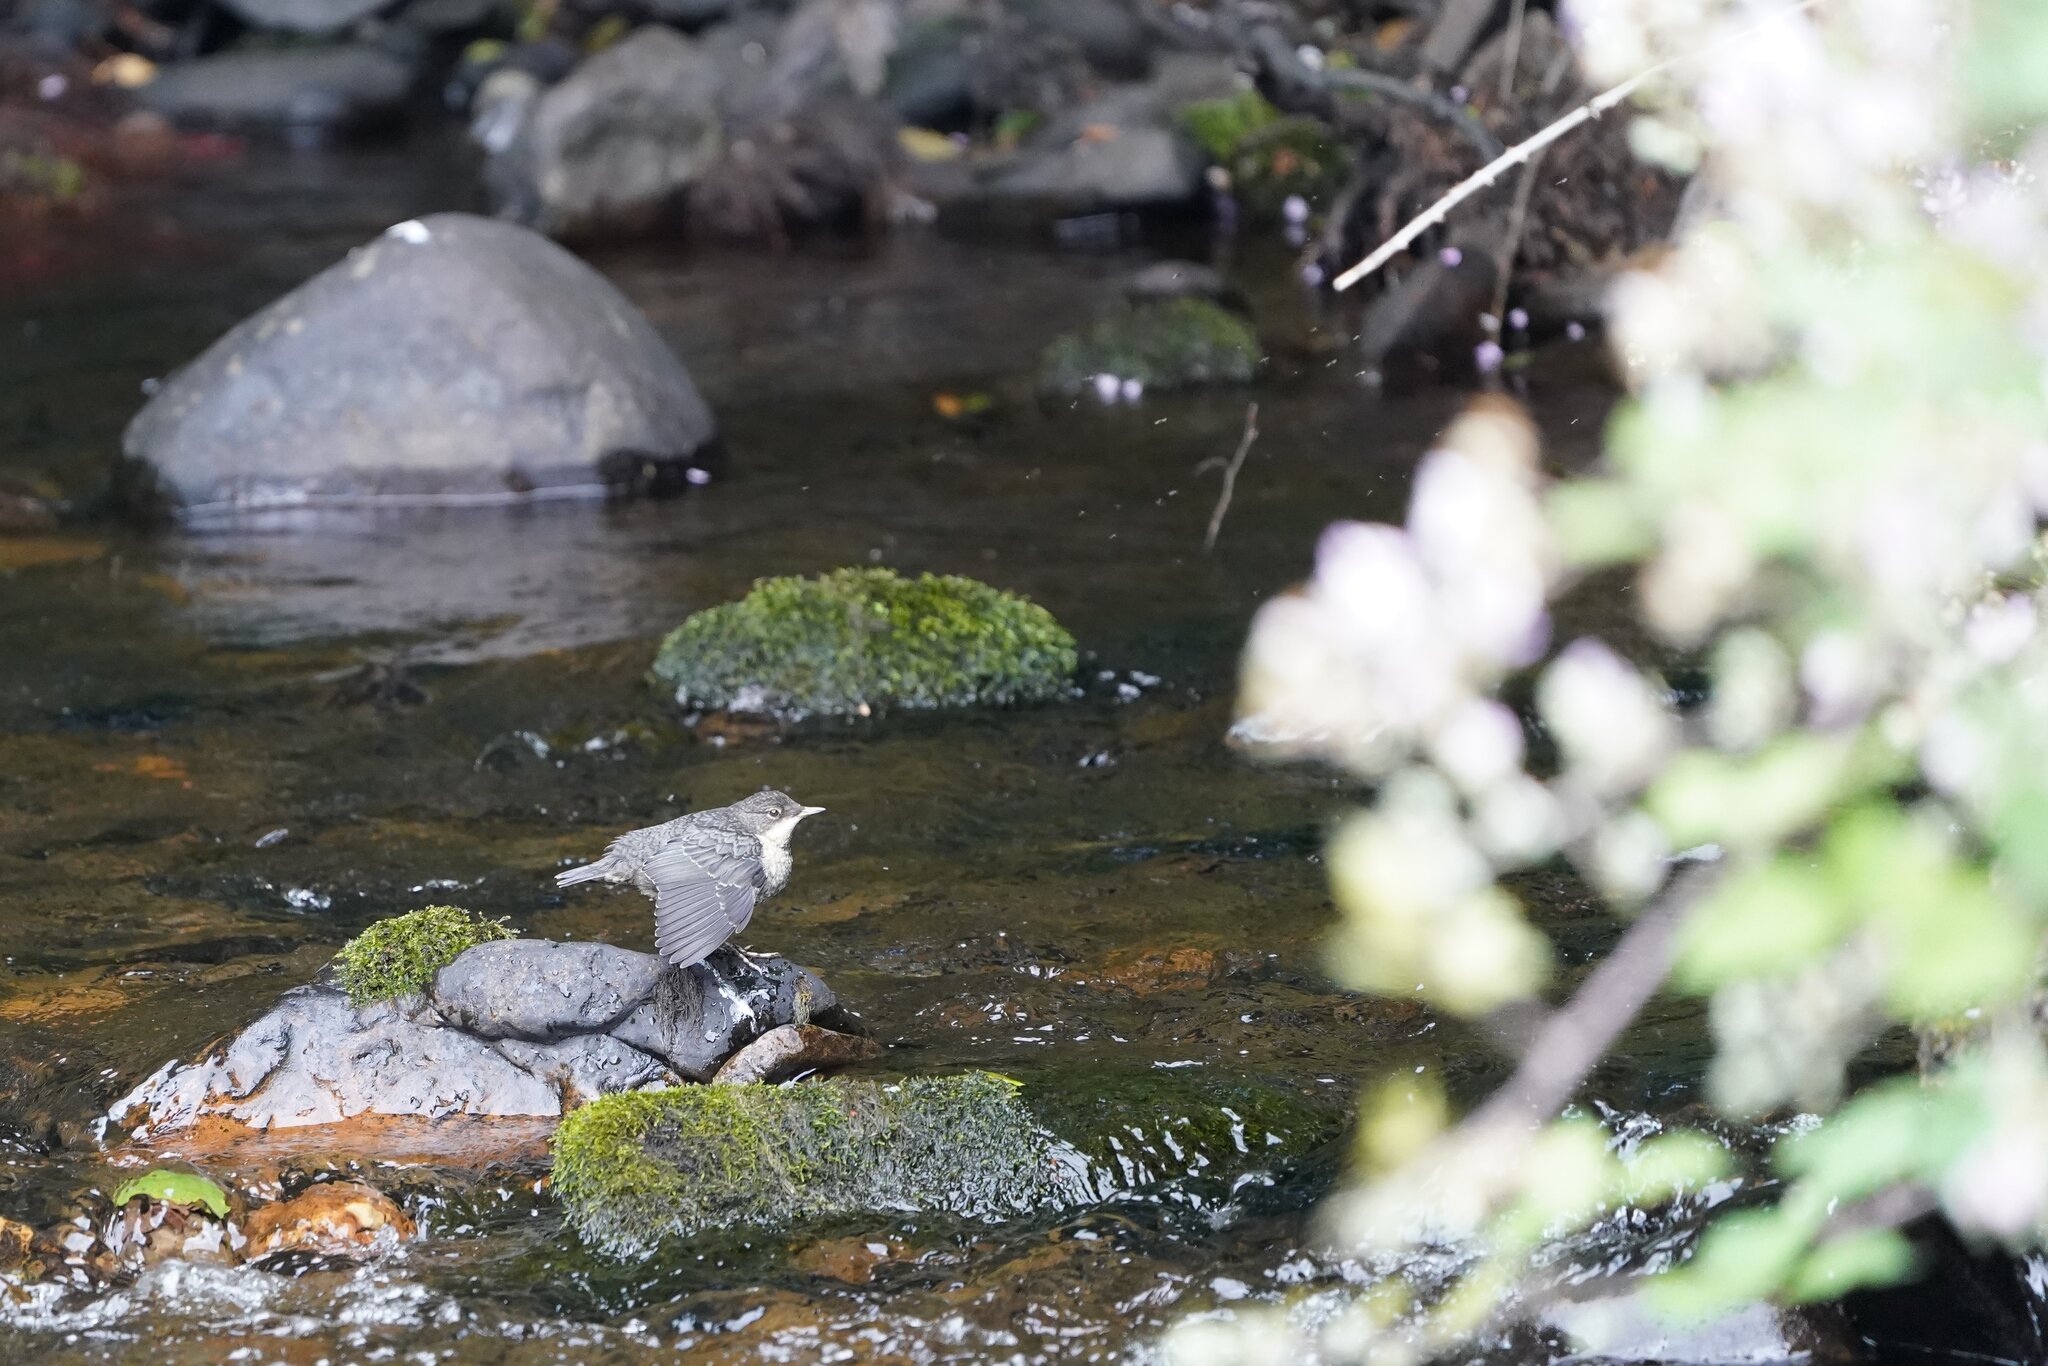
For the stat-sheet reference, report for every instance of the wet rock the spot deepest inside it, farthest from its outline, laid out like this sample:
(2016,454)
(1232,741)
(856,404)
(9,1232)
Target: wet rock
(1434,310)
(315,1059)
(702,1015)
(17,1242)
(452,361)
(1107,32)
(335,1219)
(352,87)
(789,1050)
(1168,344)
(856,641)
(537,989)
(585,1066)
(305,16)
(509,1028)
(613,147)
(632,1170)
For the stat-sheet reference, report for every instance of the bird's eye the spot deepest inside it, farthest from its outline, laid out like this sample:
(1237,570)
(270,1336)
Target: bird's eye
(774,810)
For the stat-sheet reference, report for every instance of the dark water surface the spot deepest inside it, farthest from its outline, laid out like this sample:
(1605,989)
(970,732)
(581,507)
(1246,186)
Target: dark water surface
(220,757)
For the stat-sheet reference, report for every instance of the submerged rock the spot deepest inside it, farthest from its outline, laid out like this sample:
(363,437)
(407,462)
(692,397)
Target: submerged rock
(1157,344)
(333,1219)
(509,1028)
(631,1170)
(856,641)
(453,361)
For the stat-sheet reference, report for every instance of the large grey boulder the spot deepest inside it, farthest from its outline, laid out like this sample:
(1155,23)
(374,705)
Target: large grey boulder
(454,360)
(338,88)
(305,16)
(537,989)
(612,148)
(509,1028)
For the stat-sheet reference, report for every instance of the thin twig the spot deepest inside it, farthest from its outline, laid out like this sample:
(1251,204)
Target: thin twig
(1511,246)
(1575,1036)
(1512,56)
(1244,446)
(1521,151)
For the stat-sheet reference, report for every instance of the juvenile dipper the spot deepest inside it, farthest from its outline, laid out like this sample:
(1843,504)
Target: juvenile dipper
(704,870)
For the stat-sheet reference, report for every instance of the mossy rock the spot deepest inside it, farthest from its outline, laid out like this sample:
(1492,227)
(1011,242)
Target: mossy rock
(1163,344)
(1220,126)
(856,641)
(634,1168)
(1295,156)
(399,956)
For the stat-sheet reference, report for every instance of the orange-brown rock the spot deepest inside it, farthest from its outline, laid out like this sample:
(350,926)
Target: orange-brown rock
(333,1219)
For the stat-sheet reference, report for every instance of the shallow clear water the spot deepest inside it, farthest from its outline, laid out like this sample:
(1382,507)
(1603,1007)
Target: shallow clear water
(445,708)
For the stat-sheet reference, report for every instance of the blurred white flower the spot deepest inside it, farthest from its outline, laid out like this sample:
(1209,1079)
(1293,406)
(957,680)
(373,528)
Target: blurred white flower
(1479,746)
(1613,729)
(1753,692)
(1627,858)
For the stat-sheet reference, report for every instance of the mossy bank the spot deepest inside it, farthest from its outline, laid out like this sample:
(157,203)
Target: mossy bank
(858,641)
(1162,344)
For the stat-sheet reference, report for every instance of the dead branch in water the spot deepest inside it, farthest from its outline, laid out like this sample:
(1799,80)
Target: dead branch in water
(1244,446)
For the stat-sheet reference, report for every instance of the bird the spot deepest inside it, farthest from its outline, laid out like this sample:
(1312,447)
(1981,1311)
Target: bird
(704,871)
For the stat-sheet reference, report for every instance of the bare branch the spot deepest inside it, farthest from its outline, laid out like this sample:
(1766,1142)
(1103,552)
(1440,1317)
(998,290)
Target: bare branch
(1244,446)
(1485,176)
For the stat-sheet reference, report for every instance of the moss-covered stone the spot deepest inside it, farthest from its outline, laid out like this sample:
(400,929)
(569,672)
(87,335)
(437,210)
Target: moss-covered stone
(1220,126)
(401,955)
(859,640)
(1163,344)
(632,1169)
(635,1168)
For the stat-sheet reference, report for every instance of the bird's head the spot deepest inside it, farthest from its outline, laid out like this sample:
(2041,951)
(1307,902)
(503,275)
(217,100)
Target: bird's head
(771,815)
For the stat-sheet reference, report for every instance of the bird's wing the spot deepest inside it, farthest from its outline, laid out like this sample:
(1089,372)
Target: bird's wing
(705,883)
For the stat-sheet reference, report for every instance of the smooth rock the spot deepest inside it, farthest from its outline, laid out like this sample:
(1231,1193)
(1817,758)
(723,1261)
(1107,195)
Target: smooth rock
(719,1006)
(305,16)
(452,361)
(337,88)
(538,989)
(613,147)
(787,1050)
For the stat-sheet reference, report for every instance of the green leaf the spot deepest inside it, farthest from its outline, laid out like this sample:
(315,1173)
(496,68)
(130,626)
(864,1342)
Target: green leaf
(1756,801)
(1596,523)
(1744,1257)
(2005,63)
(1894,1132)
(175,1188)
(1855,1260)
(1761,922)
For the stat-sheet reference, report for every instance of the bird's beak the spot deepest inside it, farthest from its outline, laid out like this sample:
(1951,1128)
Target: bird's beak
(810,811)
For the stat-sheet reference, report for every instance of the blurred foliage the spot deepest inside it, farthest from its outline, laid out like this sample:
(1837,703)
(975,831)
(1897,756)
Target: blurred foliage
(1828,484)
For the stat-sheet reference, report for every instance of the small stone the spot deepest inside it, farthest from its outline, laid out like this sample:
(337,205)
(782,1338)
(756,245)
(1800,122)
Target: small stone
(334,1219)
(788,1050)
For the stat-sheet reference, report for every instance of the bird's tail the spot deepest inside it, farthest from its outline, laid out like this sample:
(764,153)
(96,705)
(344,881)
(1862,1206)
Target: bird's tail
(589,872)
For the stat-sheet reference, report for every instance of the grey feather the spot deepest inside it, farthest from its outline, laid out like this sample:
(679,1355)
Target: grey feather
(705,884)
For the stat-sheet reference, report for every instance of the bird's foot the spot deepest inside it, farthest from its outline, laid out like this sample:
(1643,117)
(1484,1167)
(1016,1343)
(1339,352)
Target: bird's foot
(756,961)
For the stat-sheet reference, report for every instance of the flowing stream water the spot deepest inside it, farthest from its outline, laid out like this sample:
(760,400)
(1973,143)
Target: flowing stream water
(221,756)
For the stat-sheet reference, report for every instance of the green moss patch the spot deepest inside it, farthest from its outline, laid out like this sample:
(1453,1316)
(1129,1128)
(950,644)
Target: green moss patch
(634,1168)
(401,955)
(1222,125)
(1164,344)
(858,640)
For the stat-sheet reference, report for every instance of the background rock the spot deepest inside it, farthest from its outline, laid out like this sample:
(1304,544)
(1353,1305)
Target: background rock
(349,87)
(719,1006)
(305,16)
(612,148)
(453,360)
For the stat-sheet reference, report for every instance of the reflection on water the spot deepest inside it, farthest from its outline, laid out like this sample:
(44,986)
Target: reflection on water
(220,755)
